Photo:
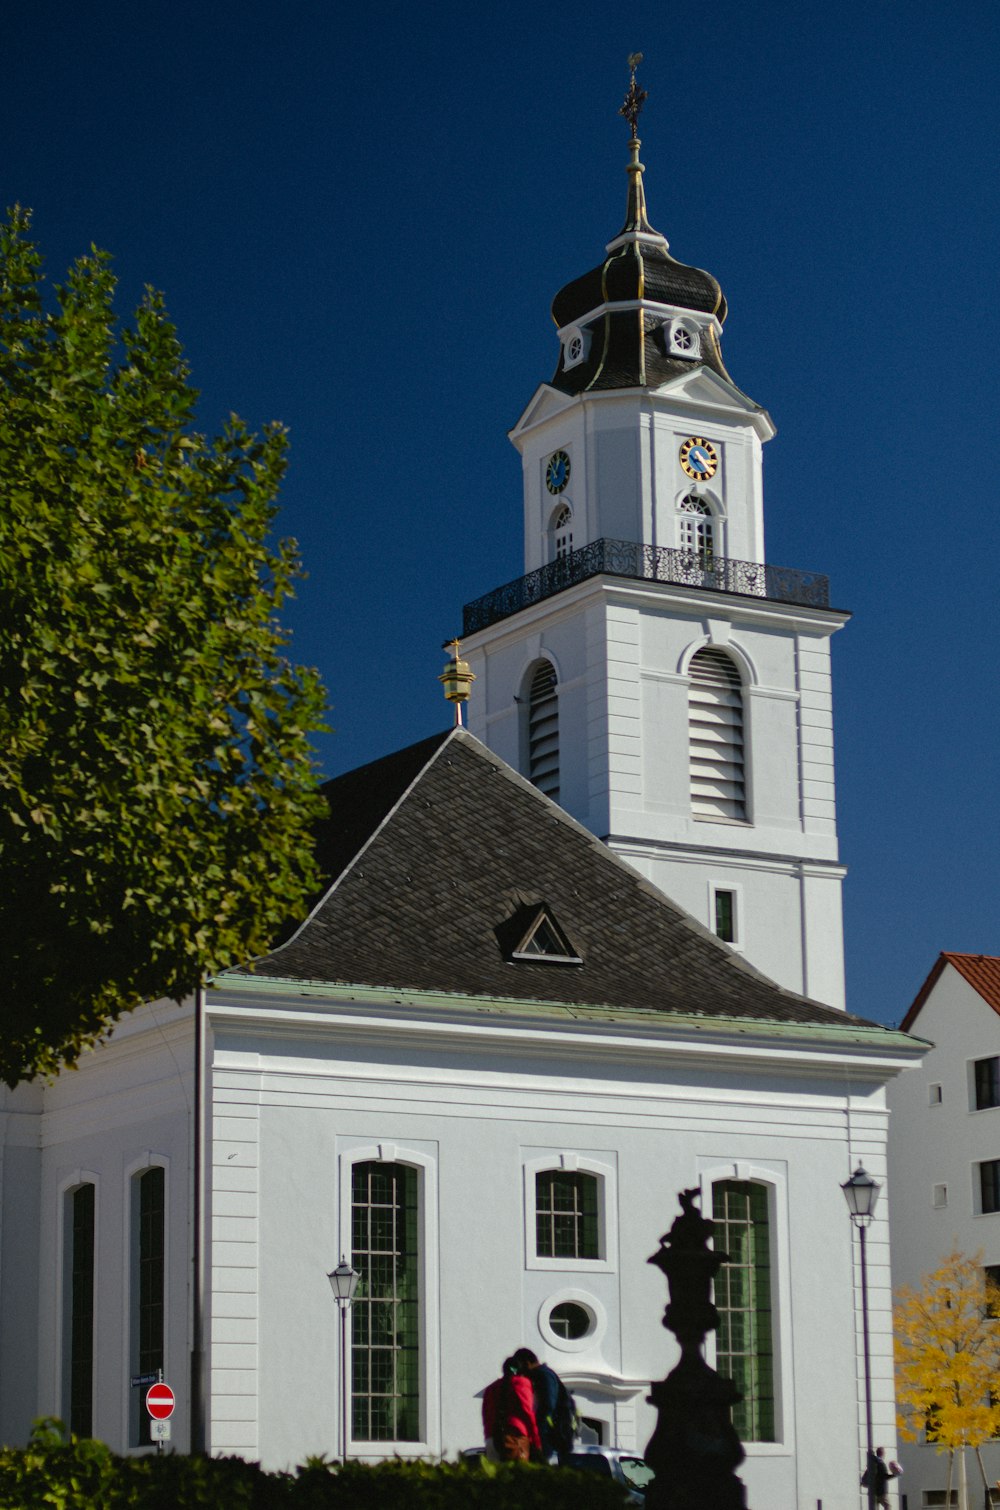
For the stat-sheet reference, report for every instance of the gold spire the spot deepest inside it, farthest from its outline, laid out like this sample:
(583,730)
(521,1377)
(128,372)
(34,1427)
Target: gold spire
(635,212)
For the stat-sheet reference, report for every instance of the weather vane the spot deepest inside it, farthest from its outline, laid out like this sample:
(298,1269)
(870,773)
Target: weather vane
(636,97)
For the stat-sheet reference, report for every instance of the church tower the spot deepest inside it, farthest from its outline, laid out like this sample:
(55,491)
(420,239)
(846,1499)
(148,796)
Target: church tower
(650,671)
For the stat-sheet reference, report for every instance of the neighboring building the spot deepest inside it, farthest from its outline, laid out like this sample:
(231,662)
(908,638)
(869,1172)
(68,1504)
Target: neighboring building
(482,1070)
(651,672)
(944,1160)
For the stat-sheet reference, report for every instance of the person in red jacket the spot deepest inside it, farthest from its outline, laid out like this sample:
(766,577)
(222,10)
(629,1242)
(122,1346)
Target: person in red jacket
(509,1420)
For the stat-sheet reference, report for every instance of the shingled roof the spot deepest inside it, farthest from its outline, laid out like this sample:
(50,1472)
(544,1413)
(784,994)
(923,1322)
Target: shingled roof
(440,853)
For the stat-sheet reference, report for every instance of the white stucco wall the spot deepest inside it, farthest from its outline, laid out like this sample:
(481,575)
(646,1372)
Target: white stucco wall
(475,1112)
(124,1110)
(621,652)
(625,480)
(300,1087)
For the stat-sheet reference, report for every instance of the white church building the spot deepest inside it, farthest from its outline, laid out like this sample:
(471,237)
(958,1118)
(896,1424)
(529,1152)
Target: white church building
(569,961)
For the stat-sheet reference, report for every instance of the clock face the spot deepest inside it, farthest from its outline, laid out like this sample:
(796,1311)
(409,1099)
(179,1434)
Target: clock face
(557,472)
(699,458)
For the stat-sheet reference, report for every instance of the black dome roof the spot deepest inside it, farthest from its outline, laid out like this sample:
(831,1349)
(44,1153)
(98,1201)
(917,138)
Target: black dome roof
(627,348)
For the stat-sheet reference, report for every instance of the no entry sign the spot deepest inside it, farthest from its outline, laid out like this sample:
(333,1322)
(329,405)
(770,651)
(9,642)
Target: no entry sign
(160,1401)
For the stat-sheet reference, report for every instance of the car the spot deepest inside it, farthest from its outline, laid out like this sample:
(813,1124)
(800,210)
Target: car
(626,1468)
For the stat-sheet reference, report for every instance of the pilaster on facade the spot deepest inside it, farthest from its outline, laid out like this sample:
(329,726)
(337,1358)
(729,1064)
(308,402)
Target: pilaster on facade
(234,1265)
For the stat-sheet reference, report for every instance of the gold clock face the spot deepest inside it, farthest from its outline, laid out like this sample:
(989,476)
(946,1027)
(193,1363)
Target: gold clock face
(699,458)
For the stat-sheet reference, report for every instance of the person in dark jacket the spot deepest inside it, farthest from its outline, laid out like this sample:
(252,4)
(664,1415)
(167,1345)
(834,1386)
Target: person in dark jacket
(509,1421)
(553,1406)
(877,1476)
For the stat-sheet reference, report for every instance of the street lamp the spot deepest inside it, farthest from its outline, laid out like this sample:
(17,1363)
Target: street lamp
(343,1283)
(861,1193)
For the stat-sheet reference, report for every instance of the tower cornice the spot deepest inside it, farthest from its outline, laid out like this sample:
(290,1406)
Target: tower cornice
(697,393)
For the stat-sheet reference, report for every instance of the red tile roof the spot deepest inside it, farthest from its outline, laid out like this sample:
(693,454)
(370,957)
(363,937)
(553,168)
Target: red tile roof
(982,971)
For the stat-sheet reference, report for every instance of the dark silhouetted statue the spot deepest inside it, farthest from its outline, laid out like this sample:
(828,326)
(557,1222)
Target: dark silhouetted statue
(694,1450)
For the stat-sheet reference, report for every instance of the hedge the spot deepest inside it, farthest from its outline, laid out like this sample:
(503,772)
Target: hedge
(60,1472)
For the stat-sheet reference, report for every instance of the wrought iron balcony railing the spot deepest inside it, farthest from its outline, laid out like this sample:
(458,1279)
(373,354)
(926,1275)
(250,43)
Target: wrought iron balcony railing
(647,563)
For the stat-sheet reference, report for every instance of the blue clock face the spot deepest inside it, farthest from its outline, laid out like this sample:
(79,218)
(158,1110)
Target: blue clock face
(699,458)
(557,472)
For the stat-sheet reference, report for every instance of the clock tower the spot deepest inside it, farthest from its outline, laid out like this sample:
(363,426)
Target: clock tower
(651,671)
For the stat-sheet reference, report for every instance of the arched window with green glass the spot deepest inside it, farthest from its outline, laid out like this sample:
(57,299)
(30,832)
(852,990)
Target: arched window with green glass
(385,1315)
(148,1288)
(566,1214)
(78,1308)
(743,1297)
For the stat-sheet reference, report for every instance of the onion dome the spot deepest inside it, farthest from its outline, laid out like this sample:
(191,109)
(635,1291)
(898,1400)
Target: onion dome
(641,317)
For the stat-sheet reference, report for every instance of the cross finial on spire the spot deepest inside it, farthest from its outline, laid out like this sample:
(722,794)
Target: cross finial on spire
(635,98)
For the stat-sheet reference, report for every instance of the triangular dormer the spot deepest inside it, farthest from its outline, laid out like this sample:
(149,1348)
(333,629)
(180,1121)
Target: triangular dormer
(533,934)
(545,940)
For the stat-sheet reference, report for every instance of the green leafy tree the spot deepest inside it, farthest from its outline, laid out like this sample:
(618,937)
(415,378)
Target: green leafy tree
(156,773)
(947,1340)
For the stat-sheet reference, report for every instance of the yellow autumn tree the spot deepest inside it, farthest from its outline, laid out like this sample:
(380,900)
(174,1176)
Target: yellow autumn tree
(948,1357)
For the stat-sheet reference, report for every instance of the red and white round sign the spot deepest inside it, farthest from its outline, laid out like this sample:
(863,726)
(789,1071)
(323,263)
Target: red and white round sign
(160,1401)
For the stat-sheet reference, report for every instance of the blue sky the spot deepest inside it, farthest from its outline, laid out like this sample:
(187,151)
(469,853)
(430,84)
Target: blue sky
(359,216)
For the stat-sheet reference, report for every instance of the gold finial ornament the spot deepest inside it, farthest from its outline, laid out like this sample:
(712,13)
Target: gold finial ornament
(456,679)
(636,97)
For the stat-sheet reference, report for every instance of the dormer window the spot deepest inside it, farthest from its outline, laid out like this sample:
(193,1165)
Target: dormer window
(534,936)
(576,345)
(683,339)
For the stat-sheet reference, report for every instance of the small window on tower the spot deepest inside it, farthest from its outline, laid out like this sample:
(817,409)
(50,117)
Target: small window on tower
(725,916)
(562,532)
(683,339)
(697,533)
(576,344)
(724,913)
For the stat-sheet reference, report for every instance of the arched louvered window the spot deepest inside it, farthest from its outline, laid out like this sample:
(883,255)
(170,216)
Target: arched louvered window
(543,730)
(715,710)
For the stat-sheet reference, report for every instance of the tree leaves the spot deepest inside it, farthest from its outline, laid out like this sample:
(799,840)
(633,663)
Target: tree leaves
(159,790)
(948,1356)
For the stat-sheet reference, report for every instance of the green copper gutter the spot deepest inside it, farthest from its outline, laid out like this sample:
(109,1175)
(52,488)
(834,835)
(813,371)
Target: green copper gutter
(870,1035)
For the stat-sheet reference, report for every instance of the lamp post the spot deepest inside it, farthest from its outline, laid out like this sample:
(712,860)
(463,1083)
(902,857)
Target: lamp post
(343,1283)
(861,1193)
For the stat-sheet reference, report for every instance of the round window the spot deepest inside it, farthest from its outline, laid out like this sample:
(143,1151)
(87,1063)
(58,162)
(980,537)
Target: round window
(570,1320)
